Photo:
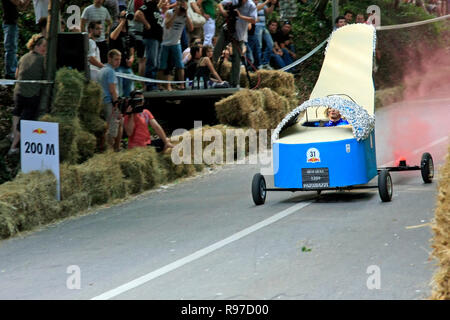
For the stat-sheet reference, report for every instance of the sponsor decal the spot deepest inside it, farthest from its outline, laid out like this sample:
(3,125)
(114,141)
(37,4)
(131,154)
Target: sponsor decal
(312,155)
(39,131)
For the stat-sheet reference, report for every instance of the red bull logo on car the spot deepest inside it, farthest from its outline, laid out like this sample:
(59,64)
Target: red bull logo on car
(312,155)
(39,131)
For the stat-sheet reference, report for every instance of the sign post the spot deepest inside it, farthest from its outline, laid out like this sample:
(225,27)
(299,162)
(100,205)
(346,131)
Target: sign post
(39,148)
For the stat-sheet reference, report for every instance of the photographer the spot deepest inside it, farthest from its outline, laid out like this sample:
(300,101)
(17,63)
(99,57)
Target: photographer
(124,41)
(238,14)
(136,122)
(171,55)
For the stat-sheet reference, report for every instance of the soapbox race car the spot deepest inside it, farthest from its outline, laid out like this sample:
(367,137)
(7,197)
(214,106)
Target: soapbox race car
(308,156)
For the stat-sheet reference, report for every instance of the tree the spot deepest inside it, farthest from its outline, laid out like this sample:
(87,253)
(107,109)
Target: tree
(320,7)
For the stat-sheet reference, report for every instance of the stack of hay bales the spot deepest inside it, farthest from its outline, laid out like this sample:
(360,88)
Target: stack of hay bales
(27,201)
(263,108)
(441,239)
(94,126)
(76,107)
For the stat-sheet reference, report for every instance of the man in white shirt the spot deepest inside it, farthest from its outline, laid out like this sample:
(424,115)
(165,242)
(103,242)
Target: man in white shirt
(174,23)
(95,29)
(97,12)
(40,9)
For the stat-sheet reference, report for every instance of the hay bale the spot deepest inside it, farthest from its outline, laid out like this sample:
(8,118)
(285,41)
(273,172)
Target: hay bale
(86,144)
(257,109)
(142,167)
(68,90)
(102,178)
(69,129)
(441,238)
(28,201)
(279,81)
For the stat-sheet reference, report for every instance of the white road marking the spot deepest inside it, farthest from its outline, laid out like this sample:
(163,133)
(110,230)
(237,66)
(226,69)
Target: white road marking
(200,253)
(432,144)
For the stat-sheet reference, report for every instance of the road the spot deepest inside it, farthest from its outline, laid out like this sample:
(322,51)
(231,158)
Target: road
(204,239)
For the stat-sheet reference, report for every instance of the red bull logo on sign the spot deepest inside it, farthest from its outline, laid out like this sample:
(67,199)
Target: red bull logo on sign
(39,131)
(312,155)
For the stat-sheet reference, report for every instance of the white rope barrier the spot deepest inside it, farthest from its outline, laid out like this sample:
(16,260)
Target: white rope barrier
(412,24)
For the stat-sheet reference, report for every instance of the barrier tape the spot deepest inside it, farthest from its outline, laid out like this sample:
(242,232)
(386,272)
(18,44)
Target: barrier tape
(411,24)
(306,56)
(11,82)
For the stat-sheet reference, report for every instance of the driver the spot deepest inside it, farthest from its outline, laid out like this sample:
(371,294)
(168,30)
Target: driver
(335,118)
(136,126)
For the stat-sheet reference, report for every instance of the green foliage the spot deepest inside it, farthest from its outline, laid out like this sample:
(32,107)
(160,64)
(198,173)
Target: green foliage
(395,47)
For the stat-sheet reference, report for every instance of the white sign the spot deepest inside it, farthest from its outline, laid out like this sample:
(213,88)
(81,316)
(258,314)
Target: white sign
(312,155)
(39,148)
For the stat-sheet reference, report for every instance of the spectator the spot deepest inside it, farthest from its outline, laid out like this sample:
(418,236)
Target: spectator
(197,31)
(205,66)
(285,39)
(288,9)
(40,9)
(96,12)
(113,8)
(360,18)
(27,95)
(208,10)
(150,16)
(339,22)
(43,26)
(136,28)
(279,57)
(11,33)
(187,53)
(174,23)
(348,15)
(237,32)
(95,29)
(192,60)
(137,123)
(108,80)
(123,5)
(124,41)
(253,52)
(261,32)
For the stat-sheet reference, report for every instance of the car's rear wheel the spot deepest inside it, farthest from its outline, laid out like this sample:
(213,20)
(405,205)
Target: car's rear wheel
(427,167)
(385,187)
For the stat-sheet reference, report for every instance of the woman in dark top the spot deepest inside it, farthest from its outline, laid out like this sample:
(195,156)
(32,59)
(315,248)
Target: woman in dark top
(27,95)
(205,66)
(192,64)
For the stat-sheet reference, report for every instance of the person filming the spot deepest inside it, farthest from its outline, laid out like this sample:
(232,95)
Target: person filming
(136,122)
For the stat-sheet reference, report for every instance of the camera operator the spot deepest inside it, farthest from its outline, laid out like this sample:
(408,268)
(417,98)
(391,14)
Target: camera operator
(238,14)
(136,122)
(124,41)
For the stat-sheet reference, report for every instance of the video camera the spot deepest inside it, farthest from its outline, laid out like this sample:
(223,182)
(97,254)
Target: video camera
(136,103)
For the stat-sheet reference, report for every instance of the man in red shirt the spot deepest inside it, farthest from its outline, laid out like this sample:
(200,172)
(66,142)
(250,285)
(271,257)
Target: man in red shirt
(136,125)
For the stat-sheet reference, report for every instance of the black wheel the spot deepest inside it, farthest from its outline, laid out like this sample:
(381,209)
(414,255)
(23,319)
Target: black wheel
(319,192)
(385,188)
(259,189)
(427,167)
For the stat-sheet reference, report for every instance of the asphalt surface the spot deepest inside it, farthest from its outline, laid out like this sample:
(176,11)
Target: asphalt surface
(204,238)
